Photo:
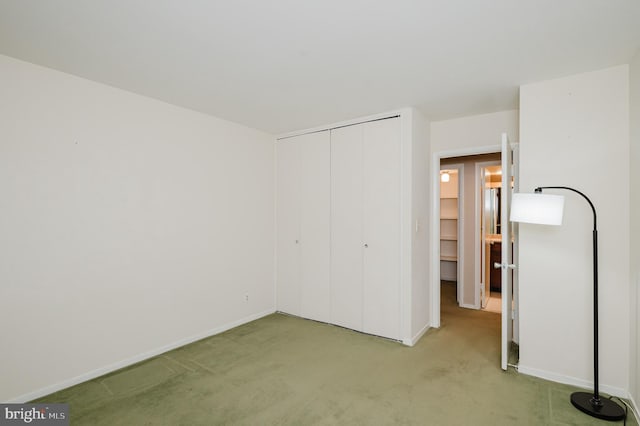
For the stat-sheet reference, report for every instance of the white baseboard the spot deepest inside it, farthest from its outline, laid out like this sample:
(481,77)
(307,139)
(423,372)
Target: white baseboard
(412,341)
(634,405)
(568,380)
(468,306)
(137,358)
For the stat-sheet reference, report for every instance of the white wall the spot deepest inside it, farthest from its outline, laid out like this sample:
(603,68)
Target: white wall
(127,225)
(420,298)
(574,131)
(634,343)
(473,131)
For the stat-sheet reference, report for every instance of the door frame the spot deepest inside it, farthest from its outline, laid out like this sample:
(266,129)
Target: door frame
(481,273)
(435,220)
(516,248)
(507,315)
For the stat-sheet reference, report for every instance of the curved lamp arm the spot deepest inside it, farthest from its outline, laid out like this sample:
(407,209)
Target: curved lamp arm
(595,218)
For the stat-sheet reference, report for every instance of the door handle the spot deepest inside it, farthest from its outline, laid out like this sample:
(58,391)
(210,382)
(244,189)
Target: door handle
(497,265)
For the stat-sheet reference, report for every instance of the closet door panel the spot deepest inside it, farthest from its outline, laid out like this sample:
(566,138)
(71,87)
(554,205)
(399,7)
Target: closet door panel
(381,193)
(346,227)
(288,228)
(315,232)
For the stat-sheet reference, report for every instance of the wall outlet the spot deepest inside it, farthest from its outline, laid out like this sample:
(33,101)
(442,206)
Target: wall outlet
(246,297)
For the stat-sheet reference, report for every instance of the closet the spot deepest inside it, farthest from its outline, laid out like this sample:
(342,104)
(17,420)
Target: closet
(303,226)
(449,224)
(365,227)
(338,214)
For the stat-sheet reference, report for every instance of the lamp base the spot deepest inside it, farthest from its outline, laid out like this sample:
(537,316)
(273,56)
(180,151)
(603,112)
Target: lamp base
(605,409)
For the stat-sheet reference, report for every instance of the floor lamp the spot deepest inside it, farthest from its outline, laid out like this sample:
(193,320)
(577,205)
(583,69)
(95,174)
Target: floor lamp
(547,209)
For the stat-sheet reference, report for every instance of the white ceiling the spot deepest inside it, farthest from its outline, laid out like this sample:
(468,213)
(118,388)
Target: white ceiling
(283,65)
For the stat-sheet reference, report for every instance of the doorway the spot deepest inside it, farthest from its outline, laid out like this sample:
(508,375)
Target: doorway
(489,179)
(451,219)
(509,237)
(462,257)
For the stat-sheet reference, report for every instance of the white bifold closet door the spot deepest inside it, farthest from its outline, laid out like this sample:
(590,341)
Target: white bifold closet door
(303,217)
(347,210)
(365,227)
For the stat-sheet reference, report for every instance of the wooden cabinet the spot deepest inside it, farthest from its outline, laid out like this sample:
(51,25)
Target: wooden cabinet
(495,274)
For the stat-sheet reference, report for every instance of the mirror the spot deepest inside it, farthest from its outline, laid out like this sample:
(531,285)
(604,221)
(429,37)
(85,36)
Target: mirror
(492,210)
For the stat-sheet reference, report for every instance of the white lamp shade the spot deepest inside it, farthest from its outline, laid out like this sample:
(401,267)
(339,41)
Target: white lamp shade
(543,209)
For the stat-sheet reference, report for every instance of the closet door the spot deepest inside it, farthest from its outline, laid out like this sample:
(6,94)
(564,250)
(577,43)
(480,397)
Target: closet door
(381,233)
(315,233)
(288,227)
(346,226)
(302,276)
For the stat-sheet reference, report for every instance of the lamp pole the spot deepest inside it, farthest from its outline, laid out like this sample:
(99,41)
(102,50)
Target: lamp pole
(586,402)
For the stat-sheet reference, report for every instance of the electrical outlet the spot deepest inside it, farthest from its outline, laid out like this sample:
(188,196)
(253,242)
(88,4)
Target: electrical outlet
(246,297)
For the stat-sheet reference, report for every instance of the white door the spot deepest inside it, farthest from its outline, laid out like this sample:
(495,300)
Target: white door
(346,226)
(381,237)
(507,260)
(288,225)
(314,197)
(303,217)
(365,227)
(515,237)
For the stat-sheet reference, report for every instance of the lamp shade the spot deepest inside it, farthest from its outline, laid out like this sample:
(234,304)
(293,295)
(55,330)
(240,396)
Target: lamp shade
(543,209)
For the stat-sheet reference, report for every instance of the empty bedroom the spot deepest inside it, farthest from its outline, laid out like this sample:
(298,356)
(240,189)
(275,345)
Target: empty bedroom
(323,212)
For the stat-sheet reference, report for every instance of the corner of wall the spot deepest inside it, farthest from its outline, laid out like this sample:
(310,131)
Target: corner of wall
(634,241)
(150,216)
(420,226)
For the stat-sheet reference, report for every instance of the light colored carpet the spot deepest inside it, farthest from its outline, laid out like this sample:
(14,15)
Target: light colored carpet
(282,370)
